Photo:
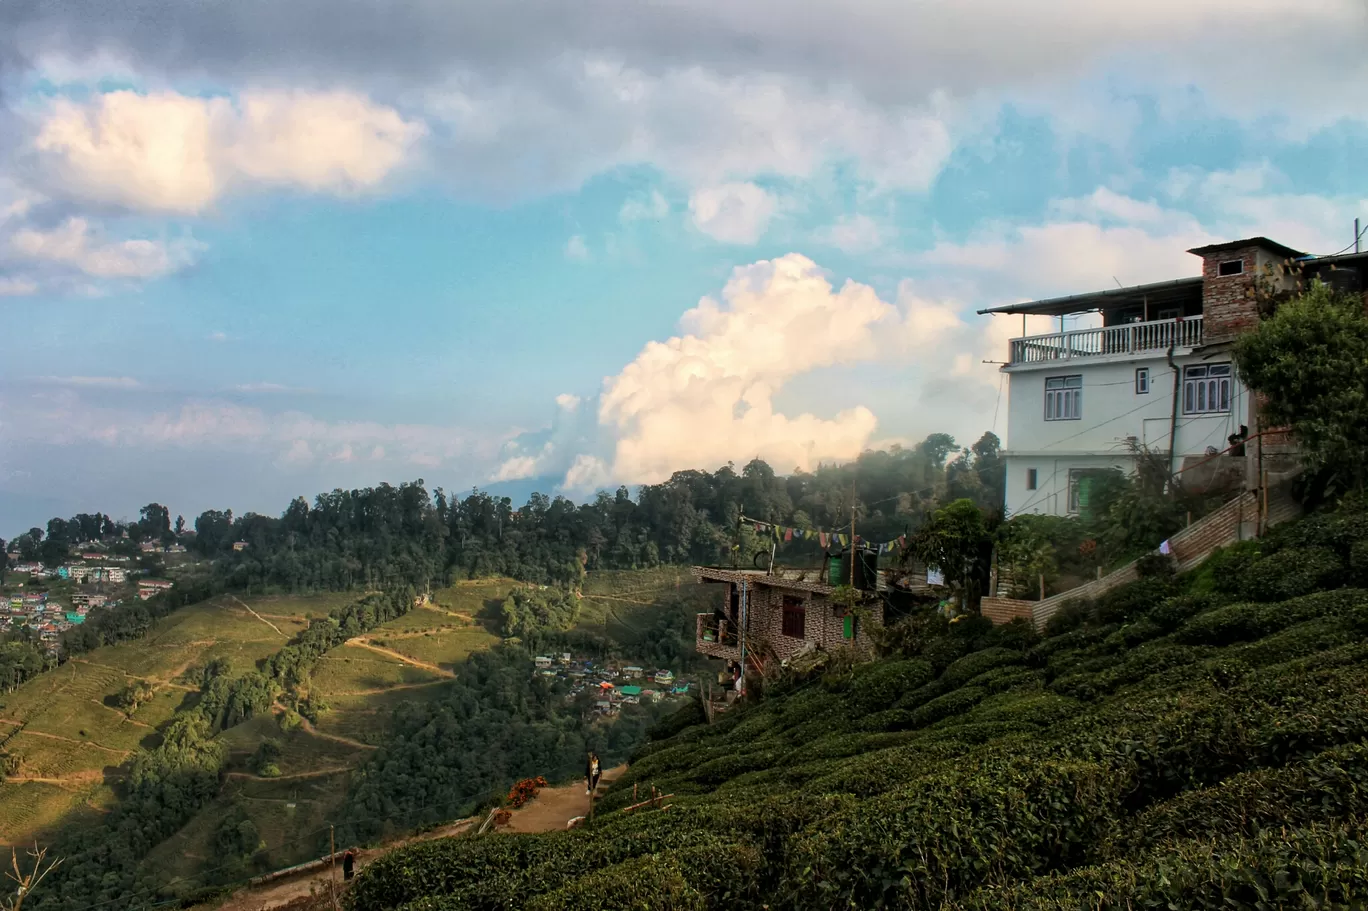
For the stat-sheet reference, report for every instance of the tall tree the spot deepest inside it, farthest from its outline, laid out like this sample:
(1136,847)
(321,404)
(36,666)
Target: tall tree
(1310,361)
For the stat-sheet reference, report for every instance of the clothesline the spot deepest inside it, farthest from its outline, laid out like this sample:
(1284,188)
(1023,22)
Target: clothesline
(823,538)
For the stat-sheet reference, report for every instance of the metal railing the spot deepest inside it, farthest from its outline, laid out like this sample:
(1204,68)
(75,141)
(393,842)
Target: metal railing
(1155,335)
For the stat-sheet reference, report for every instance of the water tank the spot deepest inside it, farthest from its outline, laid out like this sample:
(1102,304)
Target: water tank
(866,570)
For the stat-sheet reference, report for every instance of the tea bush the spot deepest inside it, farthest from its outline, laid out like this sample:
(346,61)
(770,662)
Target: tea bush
(1194,741)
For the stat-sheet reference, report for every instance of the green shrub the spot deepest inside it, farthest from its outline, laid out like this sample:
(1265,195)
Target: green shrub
(1320,866)
(1290,573)
(924,845)
(952,703)
(1126,602)
(1228,565)
(1358,563)
(1172,613)
(1068,616)
(878,686)
(1243,622)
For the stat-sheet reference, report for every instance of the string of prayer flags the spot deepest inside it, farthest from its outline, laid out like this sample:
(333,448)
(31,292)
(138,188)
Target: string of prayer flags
(826,539)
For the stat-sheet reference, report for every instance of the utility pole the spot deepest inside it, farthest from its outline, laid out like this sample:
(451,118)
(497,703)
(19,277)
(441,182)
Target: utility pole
(332,866)
(1357,235)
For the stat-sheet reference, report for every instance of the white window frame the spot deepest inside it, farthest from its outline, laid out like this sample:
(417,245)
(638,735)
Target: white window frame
(1073,505)
(1208,389)
(1064,398)
(1142,381)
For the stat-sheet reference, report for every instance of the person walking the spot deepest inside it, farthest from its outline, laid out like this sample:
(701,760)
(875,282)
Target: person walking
(592,771)
(348,865)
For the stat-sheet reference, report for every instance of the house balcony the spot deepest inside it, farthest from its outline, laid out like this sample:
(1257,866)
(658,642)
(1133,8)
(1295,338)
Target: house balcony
(716,638)
(1129,339)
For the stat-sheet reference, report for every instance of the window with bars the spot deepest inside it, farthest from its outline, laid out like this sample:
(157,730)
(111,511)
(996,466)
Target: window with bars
(1064,398)
(1206,389)
(795,617)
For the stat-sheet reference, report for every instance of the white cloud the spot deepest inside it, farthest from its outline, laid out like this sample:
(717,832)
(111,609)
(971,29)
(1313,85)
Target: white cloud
(576,249)
(515,469)
(344,454)
(853,234)
(568,402)
(587,474)
(16,287)
(176,153)
(268,388)
(705,397)
(299,453)
(218,336)
(77,245)
(649,208)
(733,213)
(64,418)
(102,382)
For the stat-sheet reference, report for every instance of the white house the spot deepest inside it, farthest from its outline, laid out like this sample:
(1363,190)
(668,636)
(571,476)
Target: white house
(1153,370)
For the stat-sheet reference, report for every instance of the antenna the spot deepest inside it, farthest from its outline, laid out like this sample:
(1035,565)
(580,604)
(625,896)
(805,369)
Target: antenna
(1117,280)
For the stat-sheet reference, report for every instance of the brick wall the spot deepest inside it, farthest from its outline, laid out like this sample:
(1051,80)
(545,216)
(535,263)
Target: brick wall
(1005,610)
(1235,521)
(821,624)
(1227,305)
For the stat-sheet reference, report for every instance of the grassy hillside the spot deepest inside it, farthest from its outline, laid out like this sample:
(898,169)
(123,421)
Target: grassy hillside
(1196,742)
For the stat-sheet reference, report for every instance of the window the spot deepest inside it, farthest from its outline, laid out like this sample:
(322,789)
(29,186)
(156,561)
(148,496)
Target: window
(794,616)
(1075,503)
(1032,476)
(1063,398)
(1142,381)
(1206,389)
(1170,313)
(1231,267)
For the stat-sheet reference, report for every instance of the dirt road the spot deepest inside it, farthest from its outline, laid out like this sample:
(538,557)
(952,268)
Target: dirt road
(550,811)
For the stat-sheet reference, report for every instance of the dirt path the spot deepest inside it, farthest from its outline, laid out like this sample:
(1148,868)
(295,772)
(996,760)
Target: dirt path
(552,809)
(258,616)
(308,728)
(318,773)
(380,691)
(398,656)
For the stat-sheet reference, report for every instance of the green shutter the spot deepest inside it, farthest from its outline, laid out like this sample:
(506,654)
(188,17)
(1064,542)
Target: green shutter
(849,622)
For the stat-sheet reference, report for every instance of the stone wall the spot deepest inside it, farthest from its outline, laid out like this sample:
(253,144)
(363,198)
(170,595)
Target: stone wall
(821,623)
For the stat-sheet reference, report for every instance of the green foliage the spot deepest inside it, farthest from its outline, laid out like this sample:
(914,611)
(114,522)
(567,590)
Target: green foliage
(1311,361)
(263,761)
(526,612)
(1289,573)
(1200,755)
(956,539)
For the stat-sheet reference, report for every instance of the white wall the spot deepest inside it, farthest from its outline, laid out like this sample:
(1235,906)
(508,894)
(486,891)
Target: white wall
(1111,411)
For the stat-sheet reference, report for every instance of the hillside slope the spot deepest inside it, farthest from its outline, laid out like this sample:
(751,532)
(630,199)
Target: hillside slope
(1196,742)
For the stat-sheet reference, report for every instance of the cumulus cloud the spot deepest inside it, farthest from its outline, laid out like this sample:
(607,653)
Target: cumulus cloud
(649,208)
(77,244)
(177,153)
(576,249)
(733,213)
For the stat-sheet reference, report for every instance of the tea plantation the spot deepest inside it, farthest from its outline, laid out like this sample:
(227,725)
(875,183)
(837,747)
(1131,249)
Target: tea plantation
(1191,742)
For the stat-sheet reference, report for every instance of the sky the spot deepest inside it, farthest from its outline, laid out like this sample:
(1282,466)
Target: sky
(253,250)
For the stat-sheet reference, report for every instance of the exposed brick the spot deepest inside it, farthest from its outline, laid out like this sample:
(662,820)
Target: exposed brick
(1228,305)
(823,624)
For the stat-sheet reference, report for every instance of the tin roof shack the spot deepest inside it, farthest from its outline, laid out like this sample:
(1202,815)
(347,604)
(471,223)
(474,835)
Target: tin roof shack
(780,614)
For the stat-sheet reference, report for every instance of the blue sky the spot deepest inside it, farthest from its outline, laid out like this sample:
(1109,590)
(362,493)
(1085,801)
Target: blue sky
(246,258)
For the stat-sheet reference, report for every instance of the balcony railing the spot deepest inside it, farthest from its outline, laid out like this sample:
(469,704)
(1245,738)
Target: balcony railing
(714,634)
(1155,335)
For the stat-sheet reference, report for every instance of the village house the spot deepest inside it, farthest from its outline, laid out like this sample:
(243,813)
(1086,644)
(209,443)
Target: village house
(1149,368)
(777,615)
(633,672)
(147,588)
(665,677)
(239,545)
(542,662)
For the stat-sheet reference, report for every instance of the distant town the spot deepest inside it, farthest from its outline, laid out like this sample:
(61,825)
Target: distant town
(614,685)
(92,577)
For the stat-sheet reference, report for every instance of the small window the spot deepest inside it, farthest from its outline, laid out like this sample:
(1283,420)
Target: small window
(1063,398)
(1142,381)
(1032,476)
(1170,313)
(1206,389)
(1231,267)
(794,617)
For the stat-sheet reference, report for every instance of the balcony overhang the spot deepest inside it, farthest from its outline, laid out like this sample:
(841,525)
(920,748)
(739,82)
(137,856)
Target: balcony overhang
(1155,294)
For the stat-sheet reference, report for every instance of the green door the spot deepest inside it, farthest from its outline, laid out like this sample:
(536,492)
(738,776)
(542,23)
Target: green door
(849,621)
